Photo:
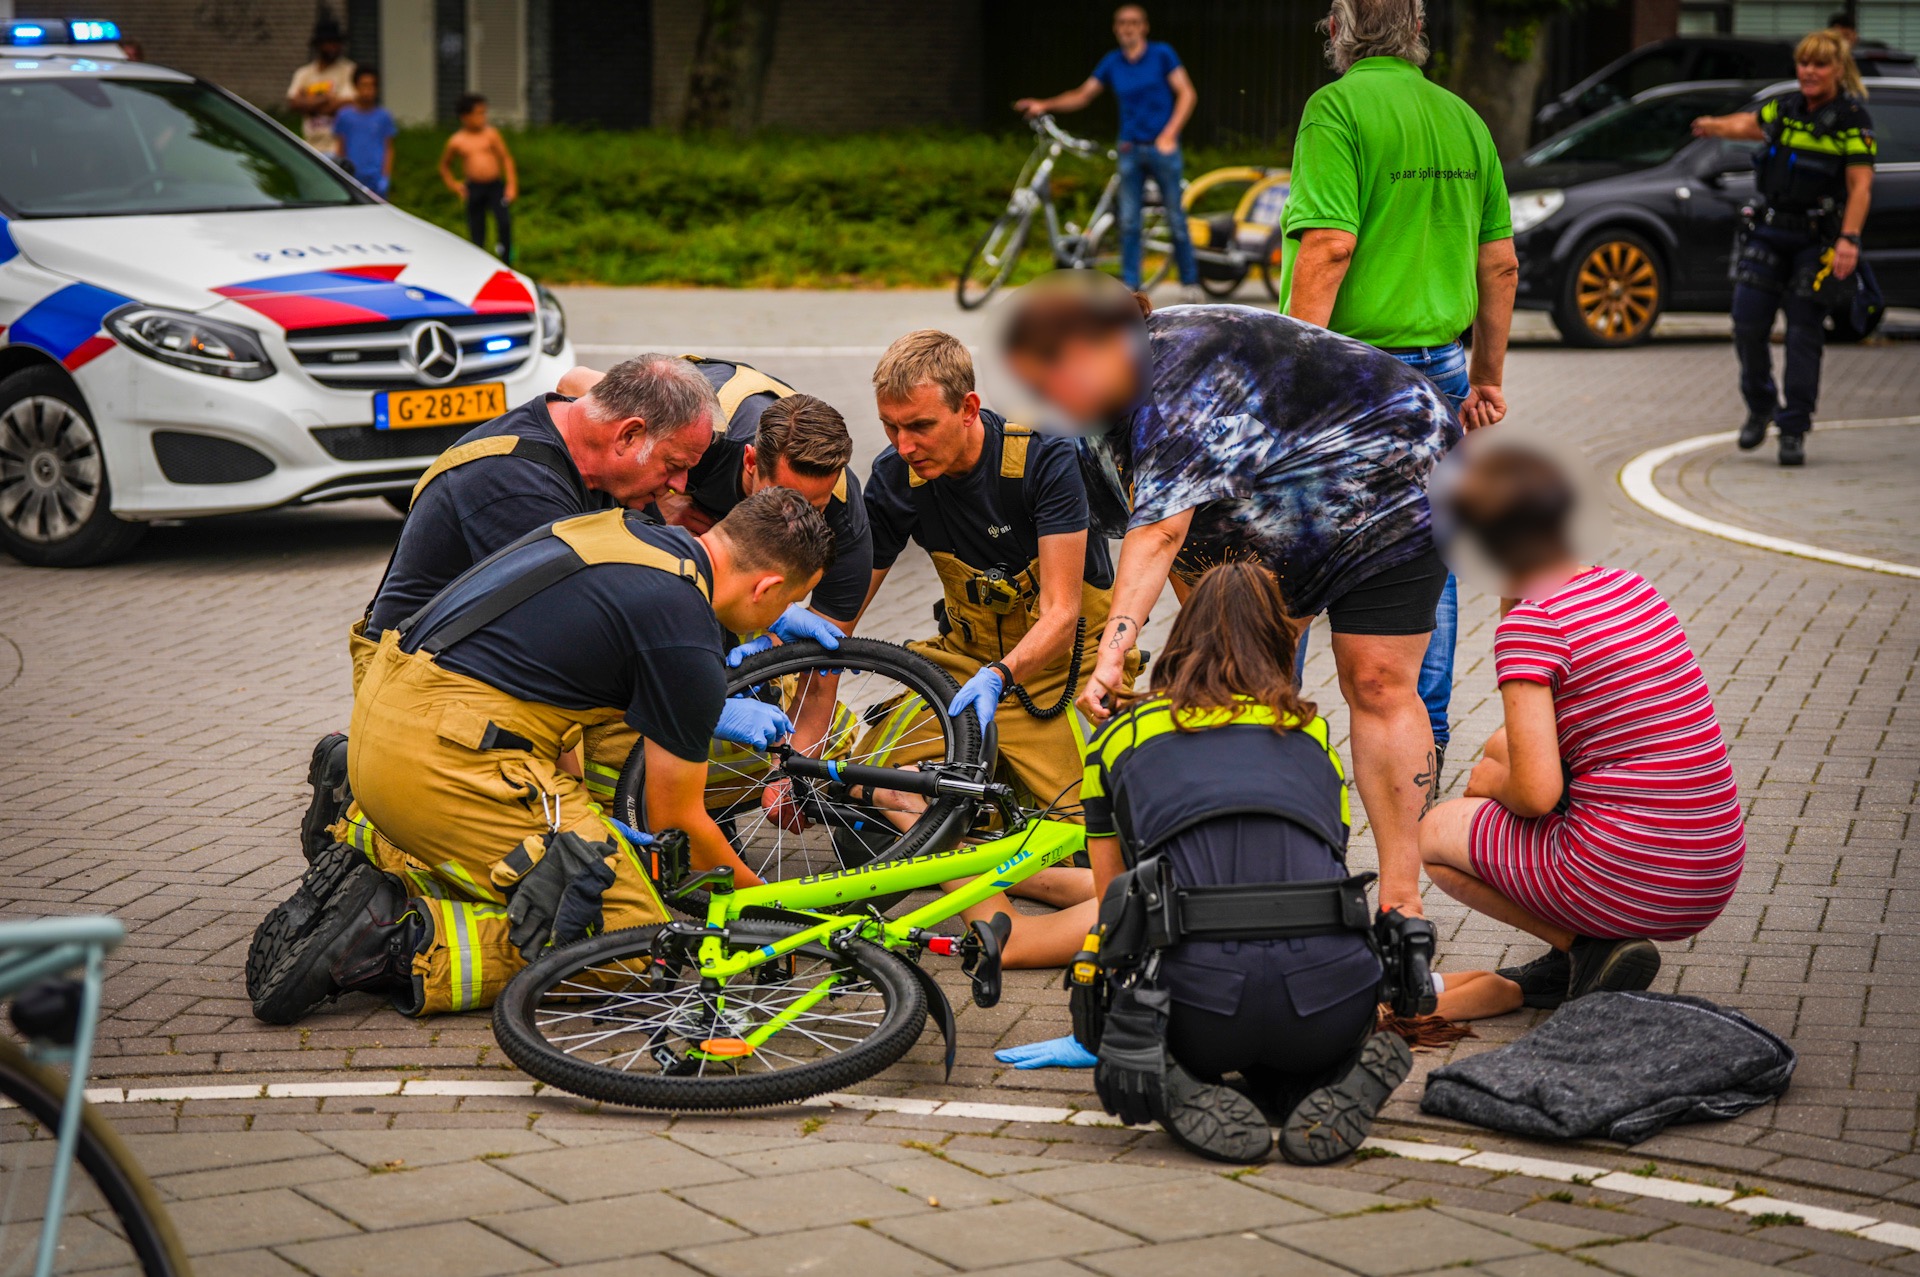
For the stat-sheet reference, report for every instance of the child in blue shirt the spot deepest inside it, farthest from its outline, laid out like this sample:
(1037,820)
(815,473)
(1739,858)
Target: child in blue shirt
(365,130)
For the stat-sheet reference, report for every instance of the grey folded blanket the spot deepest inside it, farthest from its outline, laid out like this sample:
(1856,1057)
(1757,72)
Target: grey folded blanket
(1620,1065)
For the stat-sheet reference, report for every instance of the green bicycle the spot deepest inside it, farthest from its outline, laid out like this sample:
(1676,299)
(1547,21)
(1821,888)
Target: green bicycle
(779,993)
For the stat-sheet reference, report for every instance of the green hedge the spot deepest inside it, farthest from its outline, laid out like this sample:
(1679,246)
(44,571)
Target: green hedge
(869,211)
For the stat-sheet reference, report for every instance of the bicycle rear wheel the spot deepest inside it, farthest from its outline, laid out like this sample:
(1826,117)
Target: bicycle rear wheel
(113,1218)
(890,709)
(623,1018)
(992,261)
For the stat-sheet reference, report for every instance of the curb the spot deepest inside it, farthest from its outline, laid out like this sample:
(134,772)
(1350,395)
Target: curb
(1636,478)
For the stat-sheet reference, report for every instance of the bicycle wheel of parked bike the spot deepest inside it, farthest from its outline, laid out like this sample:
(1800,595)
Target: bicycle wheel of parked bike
(994,257)
(112,1218)
(1156,247)
(886,707)
(622,1018)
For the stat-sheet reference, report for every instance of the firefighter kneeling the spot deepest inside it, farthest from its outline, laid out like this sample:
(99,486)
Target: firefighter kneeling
(466,727)
(1232,940)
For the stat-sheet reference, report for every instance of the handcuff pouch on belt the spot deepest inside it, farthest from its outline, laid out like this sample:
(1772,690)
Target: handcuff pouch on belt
(1119,1005)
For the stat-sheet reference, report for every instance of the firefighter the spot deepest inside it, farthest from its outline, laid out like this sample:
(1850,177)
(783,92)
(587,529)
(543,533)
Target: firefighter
(458,733)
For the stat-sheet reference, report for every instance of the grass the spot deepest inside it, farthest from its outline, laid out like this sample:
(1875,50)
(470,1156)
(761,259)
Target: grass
(865,211)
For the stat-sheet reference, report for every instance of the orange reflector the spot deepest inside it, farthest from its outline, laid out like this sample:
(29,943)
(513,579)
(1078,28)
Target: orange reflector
(727,1048)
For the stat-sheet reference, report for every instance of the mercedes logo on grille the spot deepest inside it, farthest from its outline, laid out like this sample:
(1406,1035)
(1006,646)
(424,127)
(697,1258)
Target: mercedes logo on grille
(435,352)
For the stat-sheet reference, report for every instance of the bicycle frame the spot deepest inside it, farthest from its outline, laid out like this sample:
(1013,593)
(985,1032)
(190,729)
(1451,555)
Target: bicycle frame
(38,950)
(1038,189)
(994,866)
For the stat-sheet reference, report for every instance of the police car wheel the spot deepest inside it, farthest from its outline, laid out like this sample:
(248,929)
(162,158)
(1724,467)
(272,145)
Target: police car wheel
(1612,291)
(623,1018)
(55,502)
(891,707)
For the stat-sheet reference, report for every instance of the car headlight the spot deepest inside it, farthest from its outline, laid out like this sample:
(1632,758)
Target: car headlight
(1530,208)
(190,342)
(553,323)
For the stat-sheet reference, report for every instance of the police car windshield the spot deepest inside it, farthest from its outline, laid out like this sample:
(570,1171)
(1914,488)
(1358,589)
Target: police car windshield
(1638,134)
(92,147)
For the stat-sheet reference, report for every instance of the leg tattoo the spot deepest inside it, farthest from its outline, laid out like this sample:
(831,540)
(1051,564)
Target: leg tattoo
(1429,780)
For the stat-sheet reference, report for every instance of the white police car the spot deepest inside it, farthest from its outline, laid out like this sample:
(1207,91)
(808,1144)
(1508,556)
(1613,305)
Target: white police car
(198,315)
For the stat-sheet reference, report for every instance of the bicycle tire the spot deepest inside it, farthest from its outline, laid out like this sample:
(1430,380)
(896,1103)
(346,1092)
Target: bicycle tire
(944,821)
(102,1159)
(516,1027)
(1017,224)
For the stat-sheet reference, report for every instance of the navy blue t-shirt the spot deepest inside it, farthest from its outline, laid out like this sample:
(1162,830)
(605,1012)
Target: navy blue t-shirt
(714,486)
(1141,89)
(964,515)
(472,510)
(613,635)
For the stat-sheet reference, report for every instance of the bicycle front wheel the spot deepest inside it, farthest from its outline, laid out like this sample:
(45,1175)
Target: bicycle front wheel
(112,1218)
(888,708)
(624,1018)
(991,263)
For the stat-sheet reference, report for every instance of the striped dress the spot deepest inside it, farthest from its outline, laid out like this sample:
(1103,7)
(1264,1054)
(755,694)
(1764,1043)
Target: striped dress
(1652,841)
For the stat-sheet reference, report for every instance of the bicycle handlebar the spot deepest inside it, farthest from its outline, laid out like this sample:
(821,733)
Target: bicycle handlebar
(1044,124)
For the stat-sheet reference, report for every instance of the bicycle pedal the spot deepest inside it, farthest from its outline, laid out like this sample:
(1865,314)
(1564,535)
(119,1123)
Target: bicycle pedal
(673,1065)
(981,952)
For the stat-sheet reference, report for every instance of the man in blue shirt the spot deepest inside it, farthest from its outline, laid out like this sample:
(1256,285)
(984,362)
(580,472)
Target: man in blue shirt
(1156,99)
(365,130)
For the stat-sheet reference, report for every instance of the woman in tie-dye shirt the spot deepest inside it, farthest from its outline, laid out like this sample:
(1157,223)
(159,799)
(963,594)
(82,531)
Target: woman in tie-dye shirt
(1233,433)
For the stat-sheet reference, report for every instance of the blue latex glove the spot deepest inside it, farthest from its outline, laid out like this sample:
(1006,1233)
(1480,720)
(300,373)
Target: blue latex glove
(982,691)
(628,832)
(797,622)
(756,724)
(1055,1053)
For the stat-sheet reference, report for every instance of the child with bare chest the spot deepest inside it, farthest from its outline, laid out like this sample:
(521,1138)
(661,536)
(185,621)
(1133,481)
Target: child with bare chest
(488,181)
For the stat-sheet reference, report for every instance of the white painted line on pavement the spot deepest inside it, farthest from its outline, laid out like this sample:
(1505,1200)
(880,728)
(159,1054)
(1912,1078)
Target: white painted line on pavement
(1905,1236)
(1636,477)
(1668,1190)
(1537,1167)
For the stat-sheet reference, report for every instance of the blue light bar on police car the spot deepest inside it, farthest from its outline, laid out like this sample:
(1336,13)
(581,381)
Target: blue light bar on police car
(26,33)
(89,30)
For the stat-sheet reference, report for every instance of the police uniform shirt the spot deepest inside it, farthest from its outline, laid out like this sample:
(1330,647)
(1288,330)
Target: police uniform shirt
(965,515)
(714,486)
(1841,129)
(614,635)
(1186,794)
(471,510)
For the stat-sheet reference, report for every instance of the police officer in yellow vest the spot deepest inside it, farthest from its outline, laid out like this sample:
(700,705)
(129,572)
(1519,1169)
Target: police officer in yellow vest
(1002,511)
(458,732)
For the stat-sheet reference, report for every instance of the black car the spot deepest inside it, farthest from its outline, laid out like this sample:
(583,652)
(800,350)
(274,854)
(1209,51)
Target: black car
(1691,57)
(1628,214)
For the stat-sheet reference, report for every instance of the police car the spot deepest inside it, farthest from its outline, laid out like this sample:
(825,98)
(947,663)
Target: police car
(198,315)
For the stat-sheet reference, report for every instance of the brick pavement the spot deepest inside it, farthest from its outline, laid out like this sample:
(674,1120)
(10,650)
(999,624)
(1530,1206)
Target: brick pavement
(158,715)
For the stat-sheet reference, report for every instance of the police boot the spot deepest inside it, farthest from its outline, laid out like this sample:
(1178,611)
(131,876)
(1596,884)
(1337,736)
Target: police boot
(1793,450)
(362,940)
(1214,1120)
(1331,1122)
(1753,432)
(327,773)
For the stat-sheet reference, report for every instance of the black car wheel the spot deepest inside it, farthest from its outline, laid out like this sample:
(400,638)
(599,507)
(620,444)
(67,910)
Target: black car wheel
(1612,291)
(55,505)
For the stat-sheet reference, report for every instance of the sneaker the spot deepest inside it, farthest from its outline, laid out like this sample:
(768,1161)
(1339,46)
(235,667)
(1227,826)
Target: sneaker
(1754,432)
(1793,450)
(1214,1120)
(1331,1122)
(363,938)
(1191,295)
(327,773)
(1611,966)
(1543,982)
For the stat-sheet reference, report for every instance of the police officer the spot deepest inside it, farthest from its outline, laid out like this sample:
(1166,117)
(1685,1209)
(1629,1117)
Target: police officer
(1801,240)
(1002,511)
(458,733)
(628,440)
(1223,787)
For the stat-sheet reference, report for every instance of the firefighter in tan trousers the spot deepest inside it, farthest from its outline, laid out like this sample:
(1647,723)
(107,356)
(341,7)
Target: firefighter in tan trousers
(458,732)
(1002,512)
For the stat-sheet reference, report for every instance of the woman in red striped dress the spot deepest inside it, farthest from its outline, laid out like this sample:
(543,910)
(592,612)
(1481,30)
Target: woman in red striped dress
(1603,816)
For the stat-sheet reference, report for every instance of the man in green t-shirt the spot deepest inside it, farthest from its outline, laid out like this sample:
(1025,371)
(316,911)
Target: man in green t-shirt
(1397,233)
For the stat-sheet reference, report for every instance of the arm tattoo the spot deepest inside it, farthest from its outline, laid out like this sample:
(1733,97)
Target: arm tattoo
(1121,626)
